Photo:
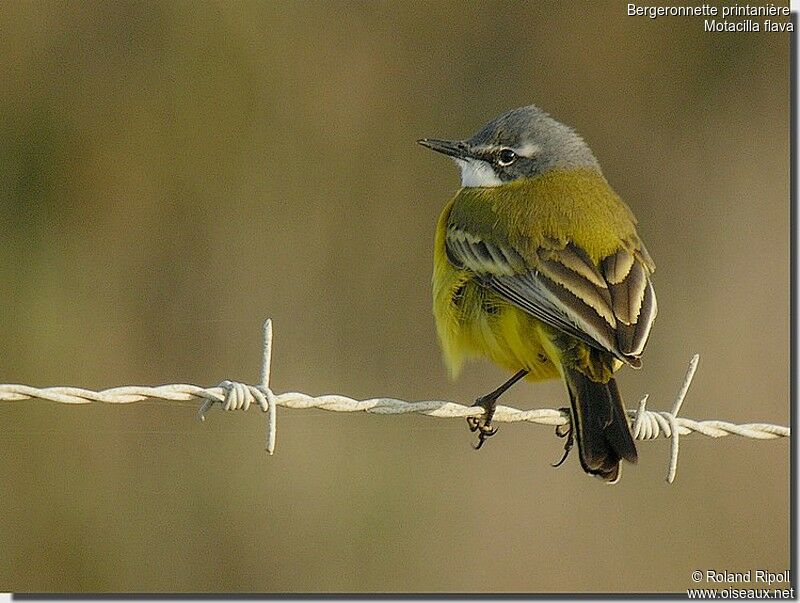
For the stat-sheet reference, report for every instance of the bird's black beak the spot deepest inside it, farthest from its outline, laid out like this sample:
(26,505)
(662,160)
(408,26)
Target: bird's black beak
(452,148)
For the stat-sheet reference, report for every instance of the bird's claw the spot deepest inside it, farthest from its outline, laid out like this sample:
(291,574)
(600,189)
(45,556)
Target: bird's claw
(485,432)
(483,423)
(569,434)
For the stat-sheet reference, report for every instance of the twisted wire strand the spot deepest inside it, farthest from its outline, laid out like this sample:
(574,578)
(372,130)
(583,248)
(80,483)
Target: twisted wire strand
(232,395)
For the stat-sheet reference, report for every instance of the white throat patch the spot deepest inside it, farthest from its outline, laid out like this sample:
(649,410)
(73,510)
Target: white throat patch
(477,173)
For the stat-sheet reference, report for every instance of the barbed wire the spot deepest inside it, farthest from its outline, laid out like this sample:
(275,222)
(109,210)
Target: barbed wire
(232,395)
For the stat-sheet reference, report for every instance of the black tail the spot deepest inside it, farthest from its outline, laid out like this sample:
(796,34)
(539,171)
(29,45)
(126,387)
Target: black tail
(601,429)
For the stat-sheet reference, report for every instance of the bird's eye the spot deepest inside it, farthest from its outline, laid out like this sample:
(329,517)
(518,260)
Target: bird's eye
(506,157)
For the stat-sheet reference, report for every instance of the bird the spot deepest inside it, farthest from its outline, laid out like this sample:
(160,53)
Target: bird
(539,268)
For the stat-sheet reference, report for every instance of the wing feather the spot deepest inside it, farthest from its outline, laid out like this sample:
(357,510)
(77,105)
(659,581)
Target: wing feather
(576,260)
(597,298)
(617,266)
(610,306)
(628,294)
(555,305)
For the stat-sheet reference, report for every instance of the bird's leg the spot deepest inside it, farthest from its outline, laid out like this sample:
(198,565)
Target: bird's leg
(483,424)
(569,434)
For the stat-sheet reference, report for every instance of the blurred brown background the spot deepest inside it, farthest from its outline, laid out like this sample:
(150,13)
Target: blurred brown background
(173,173)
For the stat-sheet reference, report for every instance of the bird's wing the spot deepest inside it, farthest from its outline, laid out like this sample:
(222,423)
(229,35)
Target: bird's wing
(610,305)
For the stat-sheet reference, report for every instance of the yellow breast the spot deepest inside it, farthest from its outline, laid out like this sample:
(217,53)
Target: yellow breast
(473,321)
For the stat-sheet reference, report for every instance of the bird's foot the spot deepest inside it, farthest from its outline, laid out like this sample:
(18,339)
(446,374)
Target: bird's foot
(483,423)
(568,433)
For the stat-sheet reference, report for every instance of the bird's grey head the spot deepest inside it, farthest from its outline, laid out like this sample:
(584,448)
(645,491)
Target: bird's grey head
(521,143)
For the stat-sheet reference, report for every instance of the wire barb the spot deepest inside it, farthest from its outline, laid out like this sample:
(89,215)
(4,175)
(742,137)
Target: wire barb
(647,424)
(232,395)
